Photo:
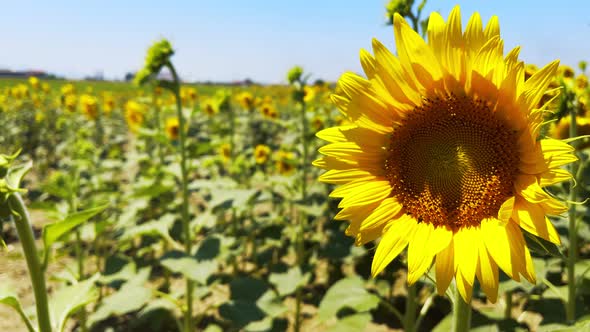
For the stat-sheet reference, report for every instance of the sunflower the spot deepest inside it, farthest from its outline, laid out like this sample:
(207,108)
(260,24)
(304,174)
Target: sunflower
(225,152)
(89,106)
(134,114)
(261,153)
(561,130)
(269,111)
(444,155)
(285,162)
(210,107)
(246,100)
(172,128)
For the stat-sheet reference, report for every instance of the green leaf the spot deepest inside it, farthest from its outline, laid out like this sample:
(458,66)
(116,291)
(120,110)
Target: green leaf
(346,293)
(241,312)
(189,266)
(286,283)
(271,304)
(351,323)
(52,232)
(542,246)
(70,299)
(132,296)
(7,297)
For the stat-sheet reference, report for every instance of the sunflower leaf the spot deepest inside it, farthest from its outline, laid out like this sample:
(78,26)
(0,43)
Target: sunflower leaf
(542,246)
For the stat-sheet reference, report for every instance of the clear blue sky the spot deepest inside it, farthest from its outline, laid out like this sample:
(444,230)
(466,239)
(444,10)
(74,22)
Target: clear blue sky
(234,39)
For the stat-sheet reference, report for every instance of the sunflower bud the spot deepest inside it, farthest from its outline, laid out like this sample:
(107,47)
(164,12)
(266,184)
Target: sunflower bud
(402,7)
(294,74)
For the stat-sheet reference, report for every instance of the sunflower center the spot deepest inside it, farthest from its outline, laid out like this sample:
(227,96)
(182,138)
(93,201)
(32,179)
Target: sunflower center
(452,162)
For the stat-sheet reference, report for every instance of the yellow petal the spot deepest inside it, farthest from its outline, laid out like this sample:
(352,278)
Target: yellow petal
(445,270)
(505,211)
(466,240)
(385,212)
(366,193)
(502,243)
(393,242)
(416,57)
(487,274)
(536,85)
(368,63)
(531,218)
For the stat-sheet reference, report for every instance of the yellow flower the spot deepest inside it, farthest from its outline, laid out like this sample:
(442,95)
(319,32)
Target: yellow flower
(188,95)
(285,162)
(45,87)
(269,111)
(210,106)
(225,152)
(172,128)
(20,91)
(67,89)
(261,153)
(562,130)
(246,100)
(134,115)
(317,123)
(581,84)
(70,101)
(308,94)
(444,155)
(34,82)
(108,102)
(89,106)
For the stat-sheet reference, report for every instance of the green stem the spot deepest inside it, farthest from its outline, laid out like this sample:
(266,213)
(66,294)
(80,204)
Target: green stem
(27,239)
(573,236)
(411,305)
(508,307)
(301,216)
(461,314)
(188,318)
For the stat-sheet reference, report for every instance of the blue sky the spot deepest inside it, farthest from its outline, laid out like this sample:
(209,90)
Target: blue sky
(235,39)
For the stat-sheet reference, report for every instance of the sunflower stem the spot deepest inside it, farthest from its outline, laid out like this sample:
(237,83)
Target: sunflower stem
(188,315)
(22,222)
(572,231)
(411,305)
(461,314)
(508,306)
(301,215)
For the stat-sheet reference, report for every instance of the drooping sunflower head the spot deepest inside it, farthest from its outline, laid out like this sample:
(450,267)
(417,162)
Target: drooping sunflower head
(443,154)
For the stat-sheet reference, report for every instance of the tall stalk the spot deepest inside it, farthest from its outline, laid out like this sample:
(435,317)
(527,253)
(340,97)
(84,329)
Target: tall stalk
(188,316)
(300,249)
(461,314)
(27,239)
(572,231)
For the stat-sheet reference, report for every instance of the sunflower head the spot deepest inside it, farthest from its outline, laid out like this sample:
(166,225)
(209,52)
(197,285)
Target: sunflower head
(261,153)
(285,162)
(89,105)
(172,128)
(246,100)
(443,154)
(225,152)
(269,111)
(34,82)
(210,107)
(134,115)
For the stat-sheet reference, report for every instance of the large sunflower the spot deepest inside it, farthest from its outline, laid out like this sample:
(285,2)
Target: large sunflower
(444,156)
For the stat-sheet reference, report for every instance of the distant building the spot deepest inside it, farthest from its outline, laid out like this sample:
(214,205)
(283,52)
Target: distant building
(5,73)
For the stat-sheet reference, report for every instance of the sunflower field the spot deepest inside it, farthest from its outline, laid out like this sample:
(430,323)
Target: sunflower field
(443,189)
